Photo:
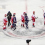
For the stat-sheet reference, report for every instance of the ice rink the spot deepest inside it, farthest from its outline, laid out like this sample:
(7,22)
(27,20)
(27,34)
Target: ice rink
(20,35)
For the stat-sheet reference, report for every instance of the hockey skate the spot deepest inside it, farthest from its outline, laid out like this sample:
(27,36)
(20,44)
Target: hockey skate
(26,27)
(14,29)
(33,25)
(44,24)
(4,28)
(22,25)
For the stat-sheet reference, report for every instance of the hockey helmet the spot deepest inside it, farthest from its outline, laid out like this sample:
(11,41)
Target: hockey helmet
(14,13)
(5,14)
(33,12)
(8,11)
(24,13)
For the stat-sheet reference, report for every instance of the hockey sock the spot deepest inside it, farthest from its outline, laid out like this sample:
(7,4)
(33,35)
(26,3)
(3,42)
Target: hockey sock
(11,26)
(44,22)
(23,25)
(33,24)
(4,28)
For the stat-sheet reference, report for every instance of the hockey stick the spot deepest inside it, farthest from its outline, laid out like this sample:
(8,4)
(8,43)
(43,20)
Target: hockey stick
(35,18)
(18,20)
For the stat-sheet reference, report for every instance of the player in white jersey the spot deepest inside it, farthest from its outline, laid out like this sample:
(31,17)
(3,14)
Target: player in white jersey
(33,18)
(22,19)
(4,22)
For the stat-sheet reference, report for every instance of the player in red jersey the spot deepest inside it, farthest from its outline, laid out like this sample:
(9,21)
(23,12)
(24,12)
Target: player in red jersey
(33,18)
(4,22)
(12,19)
(22,19)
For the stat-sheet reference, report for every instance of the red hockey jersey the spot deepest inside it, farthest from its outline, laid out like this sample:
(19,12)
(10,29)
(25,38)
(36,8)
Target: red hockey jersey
(5,20)
(33,18)
(22,18)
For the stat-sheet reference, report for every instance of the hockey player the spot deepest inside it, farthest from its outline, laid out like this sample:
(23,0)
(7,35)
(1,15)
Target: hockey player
(26,20)
(33,18)
(4,22)
(22,19)
(44,18)
(9,17)
(14,21)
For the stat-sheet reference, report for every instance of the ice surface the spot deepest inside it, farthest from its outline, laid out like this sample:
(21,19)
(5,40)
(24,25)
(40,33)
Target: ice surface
(19,7)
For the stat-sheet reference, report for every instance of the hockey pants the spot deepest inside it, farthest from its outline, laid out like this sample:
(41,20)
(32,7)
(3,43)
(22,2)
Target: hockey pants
(26,23)
(9,22)
(13,25)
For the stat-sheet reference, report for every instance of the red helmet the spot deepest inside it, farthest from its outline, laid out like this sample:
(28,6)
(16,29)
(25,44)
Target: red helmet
(24,12)
(5,14)
(33,12)
(14,13)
